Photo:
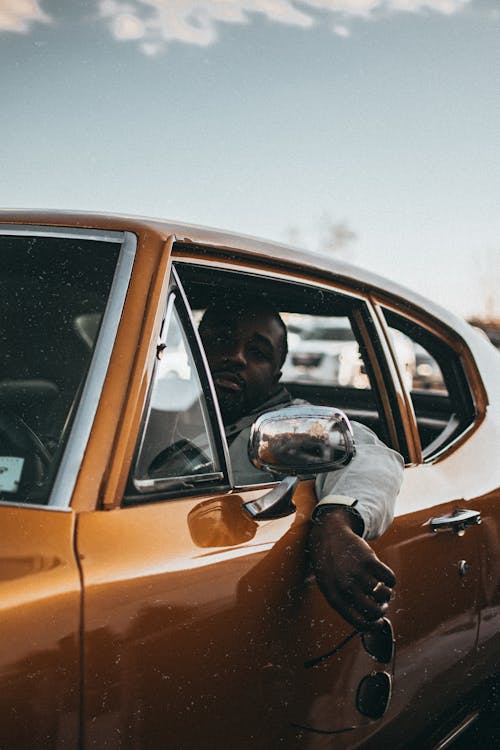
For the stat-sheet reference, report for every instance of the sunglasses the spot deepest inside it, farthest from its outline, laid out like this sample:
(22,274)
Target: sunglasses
(374,691)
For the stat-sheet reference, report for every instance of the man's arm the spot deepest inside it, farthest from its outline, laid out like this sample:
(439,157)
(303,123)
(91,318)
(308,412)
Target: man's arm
(356,503)
(373,479)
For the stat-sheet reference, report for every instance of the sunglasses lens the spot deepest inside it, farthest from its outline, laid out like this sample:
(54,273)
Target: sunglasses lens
(374,694)
(380,643)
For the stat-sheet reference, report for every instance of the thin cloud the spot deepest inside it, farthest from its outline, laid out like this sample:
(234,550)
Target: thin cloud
(155,23)
(341,30)
(18,15)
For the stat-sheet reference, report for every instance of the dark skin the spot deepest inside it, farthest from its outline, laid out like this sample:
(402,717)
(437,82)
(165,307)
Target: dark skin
(245,356)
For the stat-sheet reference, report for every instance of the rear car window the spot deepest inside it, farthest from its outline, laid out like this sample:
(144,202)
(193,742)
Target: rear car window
(434,376)
(54,291)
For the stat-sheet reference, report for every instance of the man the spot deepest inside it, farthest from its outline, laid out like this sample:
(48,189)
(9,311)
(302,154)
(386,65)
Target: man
(245,340)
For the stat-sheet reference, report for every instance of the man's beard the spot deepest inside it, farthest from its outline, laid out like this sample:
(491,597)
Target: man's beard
(232,405)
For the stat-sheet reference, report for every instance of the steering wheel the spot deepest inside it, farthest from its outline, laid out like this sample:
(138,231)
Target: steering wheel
(182,458)
(18,440)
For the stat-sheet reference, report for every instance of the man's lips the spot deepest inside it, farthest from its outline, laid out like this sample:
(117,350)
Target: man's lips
(228,380)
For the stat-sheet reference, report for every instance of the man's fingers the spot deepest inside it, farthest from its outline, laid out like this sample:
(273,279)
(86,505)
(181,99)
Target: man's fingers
(359,606)
(361,611)
(381,593)
(382,572)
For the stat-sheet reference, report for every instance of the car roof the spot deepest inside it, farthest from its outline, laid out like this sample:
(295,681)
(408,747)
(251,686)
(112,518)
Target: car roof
(238,245)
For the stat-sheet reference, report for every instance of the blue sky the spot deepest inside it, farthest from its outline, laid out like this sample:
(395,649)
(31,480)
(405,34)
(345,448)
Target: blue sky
(270,117)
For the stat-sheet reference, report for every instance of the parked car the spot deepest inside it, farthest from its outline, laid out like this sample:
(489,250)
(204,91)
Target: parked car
(325,352)
(145,607)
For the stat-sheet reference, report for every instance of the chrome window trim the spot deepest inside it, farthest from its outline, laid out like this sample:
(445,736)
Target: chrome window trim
(441,451)
(69,467)
(146,485)
(188,481)
(69,232)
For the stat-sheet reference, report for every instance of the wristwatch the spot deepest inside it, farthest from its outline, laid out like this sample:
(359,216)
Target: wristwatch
(335,502)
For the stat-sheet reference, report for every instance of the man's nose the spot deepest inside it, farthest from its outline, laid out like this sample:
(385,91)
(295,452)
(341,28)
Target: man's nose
(236,356)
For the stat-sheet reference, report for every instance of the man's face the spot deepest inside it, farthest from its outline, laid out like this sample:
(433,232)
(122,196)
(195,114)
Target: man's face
(244,356)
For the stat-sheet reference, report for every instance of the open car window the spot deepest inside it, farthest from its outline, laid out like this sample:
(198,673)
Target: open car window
(330,361)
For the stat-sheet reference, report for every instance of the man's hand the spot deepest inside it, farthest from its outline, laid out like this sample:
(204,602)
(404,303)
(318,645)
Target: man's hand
(349,574)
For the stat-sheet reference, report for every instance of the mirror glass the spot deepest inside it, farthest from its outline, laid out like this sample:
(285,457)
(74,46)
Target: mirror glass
(303,440)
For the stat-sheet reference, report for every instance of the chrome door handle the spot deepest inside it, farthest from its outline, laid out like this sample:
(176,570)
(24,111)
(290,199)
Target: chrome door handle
(274,504)
(457,522)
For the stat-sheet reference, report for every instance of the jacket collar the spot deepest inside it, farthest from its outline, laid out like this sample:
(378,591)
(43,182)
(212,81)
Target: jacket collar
(280,398)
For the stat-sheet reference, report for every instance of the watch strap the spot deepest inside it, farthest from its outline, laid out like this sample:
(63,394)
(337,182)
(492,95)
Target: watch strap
(347,504)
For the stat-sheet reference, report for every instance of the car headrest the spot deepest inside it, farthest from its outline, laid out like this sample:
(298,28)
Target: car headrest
(25,392)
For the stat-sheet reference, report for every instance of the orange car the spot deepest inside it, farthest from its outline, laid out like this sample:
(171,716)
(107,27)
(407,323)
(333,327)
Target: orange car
(149,609)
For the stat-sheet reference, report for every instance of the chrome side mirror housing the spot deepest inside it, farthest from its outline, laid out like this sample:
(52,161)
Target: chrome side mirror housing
(301,440)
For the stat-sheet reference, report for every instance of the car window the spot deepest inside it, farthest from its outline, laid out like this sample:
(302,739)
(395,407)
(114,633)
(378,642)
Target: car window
(177,443)
(328,362)
(434,376)
(54,291)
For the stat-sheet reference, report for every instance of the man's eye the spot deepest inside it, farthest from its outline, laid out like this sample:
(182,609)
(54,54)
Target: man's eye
(258,353)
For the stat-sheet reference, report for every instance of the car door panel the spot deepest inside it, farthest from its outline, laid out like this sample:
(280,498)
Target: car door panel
(205,639)
(434,613)
(435,618)
(182,643)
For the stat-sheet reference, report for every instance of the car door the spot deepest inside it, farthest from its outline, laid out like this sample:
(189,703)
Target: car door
(187,600)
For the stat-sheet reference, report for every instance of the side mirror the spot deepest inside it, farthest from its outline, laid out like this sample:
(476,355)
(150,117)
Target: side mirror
(301,440)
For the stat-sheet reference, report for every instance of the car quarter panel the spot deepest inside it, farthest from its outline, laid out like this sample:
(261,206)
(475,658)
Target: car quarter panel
(40,596)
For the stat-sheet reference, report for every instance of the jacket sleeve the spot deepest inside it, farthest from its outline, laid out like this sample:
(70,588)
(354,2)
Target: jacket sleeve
(373,478)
